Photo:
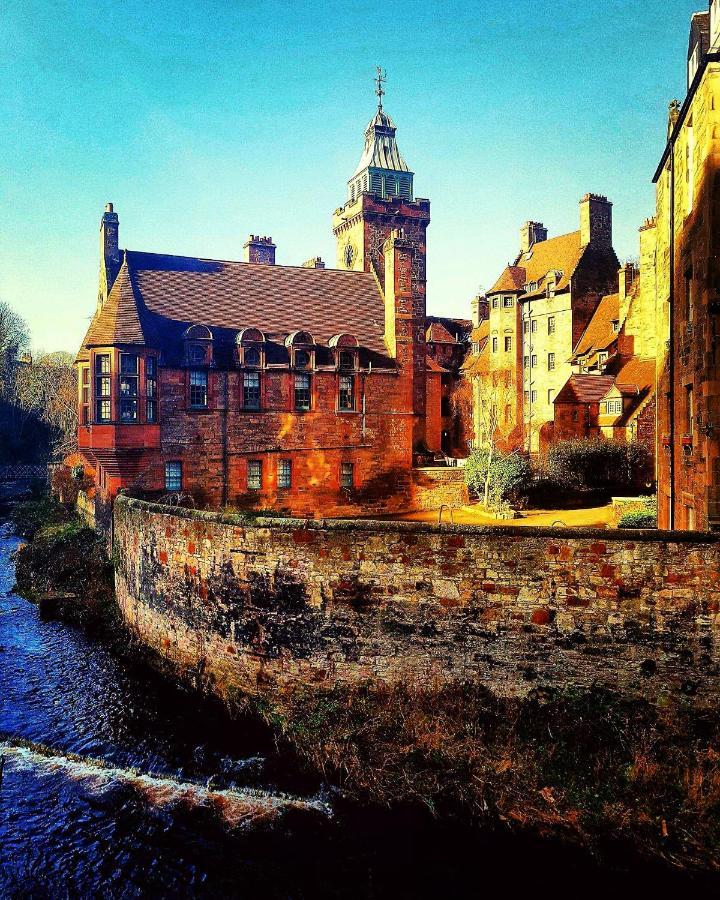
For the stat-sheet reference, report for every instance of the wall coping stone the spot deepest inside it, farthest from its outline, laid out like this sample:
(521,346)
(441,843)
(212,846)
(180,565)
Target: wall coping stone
(638,535)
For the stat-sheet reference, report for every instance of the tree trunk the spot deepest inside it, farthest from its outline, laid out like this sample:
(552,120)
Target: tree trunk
(487,476)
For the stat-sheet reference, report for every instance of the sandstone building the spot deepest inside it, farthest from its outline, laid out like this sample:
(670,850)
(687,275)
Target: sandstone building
(300,388)
(537,310)
(686,237)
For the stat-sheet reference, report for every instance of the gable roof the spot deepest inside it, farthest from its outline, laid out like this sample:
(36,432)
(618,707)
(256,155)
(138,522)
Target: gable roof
(157,296)
(585,389)
(599,334)
(438,334)
(560,254)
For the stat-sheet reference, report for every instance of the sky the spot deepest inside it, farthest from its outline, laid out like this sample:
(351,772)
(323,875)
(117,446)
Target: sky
(205,121)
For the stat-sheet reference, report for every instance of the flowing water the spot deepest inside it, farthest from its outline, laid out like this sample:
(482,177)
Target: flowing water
(116,785)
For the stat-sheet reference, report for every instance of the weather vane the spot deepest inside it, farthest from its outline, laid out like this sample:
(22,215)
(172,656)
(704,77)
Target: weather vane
(380,79)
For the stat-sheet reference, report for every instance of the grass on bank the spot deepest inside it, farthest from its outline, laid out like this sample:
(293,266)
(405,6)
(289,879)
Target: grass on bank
(64,567)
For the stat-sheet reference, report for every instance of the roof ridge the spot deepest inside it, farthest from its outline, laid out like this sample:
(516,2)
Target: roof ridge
(242,262)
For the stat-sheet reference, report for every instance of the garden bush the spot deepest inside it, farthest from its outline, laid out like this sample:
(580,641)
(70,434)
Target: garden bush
(510,476)
(597,464)
(640,518)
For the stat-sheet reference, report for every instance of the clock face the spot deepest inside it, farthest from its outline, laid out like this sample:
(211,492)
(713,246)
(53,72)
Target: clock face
(349,255)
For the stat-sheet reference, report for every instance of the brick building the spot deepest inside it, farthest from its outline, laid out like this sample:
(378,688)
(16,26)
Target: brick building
(686,238)
(300,388)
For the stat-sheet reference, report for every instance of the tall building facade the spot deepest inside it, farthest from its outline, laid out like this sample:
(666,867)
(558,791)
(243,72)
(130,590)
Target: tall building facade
(686,249)
(538,308)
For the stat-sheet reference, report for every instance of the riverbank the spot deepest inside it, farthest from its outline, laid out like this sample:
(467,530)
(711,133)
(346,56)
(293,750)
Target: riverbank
(620,777)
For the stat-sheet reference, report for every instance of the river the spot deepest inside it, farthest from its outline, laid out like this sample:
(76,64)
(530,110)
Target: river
(117,785)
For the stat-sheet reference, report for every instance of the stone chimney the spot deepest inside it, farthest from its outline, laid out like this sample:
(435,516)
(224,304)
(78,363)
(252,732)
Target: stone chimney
(478,309)
(259,250)
(532,233)
(596,221)
(109,227)
(626,278)
(314,262)
(109,251)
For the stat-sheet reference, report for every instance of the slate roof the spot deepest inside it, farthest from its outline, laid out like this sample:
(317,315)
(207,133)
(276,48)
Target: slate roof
(585,389)
(599,334)
(157,296)
(561,254)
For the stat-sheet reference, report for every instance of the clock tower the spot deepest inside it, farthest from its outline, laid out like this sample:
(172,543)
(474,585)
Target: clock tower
(380,199)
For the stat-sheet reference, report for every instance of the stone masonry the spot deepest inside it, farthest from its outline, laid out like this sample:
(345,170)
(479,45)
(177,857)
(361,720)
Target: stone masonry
(270,607)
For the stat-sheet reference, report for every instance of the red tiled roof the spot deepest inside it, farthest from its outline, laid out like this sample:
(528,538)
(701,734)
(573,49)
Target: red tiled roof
(438,334)
(599,334)
(512,279)
(560,254)
(637,373)
(585,389)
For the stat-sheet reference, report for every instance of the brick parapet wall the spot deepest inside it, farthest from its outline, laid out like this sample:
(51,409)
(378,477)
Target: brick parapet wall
(274,606)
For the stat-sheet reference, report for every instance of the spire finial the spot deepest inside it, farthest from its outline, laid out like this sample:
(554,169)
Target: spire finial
(380,79)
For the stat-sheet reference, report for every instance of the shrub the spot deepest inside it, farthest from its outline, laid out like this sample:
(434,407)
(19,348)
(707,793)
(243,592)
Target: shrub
(638,519)
(29,517)
(597,464)
(510,476)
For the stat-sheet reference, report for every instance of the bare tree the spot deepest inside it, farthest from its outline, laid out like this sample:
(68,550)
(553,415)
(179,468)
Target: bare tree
(494,399)
(14,340)
(47,388)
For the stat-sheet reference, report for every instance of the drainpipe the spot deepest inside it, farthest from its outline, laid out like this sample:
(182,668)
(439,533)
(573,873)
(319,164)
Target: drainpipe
(226,403)
(671,358)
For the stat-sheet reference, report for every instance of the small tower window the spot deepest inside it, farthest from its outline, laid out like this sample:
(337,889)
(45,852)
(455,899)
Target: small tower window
(173,476)
(346,398)
(302,359)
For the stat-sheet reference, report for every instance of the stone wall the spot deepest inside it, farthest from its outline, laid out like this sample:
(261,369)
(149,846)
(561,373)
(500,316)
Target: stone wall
(271,607)
(433,487)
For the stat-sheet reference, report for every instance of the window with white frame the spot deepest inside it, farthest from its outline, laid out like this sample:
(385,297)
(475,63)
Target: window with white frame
(129,378)
(347,475)
(302,392)
(151,389)
(346,394)
(102,387)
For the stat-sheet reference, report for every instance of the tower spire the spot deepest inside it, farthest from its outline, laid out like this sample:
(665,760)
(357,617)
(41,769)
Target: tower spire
(380,79)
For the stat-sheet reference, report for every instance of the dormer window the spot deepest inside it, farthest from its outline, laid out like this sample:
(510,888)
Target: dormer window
(346,361)
(251,357)
(301,345)
(197,355)
(198,345)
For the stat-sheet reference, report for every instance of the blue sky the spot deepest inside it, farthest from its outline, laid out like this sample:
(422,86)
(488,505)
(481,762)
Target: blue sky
(206,121)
